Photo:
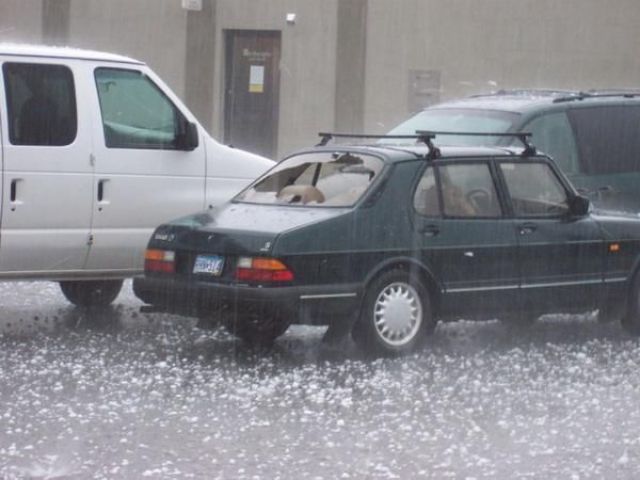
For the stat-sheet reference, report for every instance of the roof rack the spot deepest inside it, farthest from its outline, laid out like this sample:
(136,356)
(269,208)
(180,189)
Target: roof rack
(598,94)
(526,92)
(524,137)
(423,137)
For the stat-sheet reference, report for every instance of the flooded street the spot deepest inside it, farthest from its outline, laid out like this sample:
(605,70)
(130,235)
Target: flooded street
(129,395)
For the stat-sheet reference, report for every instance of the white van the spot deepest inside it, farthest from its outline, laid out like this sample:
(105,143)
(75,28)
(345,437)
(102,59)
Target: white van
(97,151)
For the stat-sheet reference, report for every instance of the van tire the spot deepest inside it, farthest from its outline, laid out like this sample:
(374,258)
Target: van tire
(91,293)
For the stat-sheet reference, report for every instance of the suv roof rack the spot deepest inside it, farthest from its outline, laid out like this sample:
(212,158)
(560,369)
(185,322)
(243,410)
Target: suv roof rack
(546,92)
(427,136)
(624,93)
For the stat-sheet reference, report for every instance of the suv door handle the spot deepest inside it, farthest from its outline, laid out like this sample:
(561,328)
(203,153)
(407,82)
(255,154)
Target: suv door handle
(527,228)
(429,230)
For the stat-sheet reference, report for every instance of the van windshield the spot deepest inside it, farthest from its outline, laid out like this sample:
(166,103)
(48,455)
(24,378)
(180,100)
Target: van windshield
(458,120)
(331,179)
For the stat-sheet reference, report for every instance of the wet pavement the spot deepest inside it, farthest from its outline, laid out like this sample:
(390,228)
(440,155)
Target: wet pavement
(121,394)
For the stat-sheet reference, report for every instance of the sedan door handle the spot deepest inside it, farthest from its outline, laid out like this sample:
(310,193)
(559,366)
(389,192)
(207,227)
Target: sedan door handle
(429,230)
(527,228)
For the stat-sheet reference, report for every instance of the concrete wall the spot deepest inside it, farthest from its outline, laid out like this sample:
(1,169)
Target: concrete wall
(483,45)
(345,64)
(153,31)
(21,21)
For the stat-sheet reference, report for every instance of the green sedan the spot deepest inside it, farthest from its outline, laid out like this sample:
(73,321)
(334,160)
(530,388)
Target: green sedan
(382,241)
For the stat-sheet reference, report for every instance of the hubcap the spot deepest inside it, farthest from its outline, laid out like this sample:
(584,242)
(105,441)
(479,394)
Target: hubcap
(397,313)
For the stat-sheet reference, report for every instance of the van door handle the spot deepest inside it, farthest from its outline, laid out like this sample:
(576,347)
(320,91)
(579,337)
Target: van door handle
(13,190)
(101,190)
(13,194)
(429,230)
(527,228)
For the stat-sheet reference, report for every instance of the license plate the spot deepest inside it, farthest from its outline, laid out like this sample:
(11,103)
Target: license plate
(208,264)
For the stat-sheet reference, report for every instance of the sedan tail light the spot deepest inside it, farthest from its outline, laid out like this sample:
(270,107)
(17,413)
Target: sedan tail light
(159,261)
(262,269)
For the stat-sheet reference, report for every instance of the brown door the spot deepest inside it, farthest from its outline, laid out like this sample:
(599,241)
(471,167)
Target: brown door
(252,85)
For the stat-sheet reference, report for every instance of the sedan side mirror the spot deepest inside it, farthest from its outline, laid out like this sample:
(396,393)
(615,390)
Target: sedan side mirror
(187,135)
(579,206)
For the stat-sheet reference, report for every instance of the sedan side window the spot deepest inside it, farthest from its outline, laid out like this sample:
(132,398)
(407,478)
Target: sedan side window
(135,113)
(535,190)
(467,190)
(426,200)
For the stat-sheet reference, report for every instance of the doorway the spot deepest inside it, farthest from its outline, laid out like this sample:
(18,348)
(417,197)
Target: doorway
(252,90)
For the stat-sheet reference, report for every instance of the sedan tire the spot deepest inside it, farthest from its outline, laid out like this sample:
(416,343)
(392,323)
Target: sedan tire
(396,315)
(631,320)
(258,329)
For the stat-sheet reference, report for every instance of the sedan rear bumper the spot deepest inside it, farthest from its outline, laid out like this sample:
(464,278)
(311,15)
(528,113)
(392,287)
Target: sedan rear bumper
(312,305)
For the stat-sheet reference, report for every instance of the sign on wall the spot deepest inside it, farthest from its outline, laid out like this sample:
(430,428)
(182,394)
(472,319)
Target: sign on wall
(424,89)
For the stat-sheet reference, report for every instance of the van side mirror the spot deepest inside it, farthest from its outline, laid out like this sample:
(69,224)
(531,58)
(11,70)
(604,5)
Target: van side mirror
(579,206)
(187,135)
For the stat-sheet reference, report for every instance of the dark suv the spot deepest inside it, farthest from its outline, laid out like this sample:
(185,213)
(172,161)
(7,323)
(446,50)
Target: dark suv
(593,136)
(383,241)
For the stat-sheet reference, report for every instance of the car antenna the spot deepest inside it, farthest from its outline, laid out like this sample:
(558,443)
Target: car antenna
(524,137)
(423,137)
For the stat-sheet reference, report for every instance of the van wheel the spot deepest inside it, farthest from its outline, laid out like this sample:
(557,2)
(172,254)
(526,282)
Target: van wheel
(91,293)
(631,319)
(396,315)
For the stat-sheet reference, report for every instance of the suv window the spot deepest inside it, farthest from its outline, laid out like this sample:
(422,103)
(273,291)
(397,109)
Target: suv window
(467,190)
(534,189)
(41,104)
(608,138)
(135,113)
(457,120)
(552,134)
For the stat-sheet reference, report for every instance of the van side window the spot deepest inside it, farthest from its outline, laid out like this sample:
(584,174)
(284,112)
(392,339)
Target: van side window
(534,189)
(608,138)
(135,113)
(552,134)
(41,104)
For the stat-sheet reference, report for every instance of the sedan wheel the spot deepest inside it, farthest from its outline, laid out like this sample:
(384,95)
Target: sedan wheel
(631,320)
(396,314)
(256,328)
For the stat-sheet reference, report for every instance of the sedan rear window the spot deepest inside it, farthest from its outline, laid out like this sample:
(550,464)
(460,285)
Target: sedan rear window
(318,179)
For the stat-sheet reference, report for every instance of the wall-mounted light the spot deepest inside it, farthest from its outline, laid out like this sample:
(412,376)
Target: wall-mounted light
(291,18)
(192,5)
